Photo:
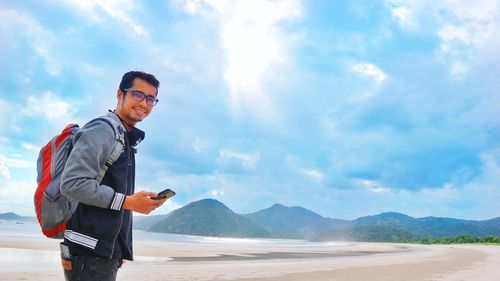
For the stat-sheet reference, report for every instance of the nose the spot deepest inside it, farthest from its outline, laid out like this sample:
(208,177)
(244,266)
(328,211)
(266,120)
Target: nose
(144,103)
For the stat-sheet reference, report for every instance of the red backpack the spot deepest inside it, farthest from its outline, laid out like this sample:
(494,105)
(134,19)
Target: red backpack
(53,209)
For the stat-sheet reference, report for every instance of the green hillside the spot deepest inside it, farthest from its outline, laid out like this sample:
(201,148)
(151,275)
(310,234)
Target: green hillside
(208,217)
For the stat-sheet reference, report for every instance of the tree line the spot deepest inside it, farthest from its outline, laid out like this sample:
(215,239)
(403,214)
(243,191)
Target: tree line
(461,239)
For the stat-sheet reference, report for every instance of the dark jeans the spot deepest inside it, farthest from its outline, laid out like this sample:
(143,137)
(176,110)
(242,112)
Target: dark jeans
(92,268)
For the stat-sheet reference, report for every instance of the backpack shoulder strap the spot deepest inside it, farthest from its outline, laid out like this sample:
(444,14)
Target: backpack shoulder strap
(119,133)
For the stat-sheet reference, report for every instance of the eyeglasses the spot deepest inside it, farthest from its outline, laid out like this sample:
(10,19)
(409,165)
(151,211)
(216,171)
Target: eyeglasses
(140,96)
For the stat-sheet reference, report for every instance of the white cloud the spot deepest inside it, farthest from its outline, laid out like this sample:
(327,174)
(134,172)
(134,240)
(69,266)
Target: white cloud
(485,188)
(401,13)
(467,29)
(167,207)
(303,168)
(17,195)
(373,186)
(404,13)
(315,174)
(475,200)
(16,163)
(370,70)
(458,69)
(30,146)
(254,46)
(475,10)
(4,114)
(41,40)
(200,6)
(92,70)
(52,108)
(4,171)
(199,145)
(248,160)
(462,44)
(450,33)
(121,11)
(217,193)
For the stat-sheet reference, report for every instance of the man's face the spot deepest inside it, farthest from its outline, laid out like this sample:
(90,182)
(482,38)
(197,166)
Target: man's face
(129,108)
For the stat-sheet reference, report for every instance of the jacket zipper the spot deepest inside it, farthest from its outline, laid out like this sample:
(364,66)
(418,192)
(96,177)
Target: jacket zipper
(123,211)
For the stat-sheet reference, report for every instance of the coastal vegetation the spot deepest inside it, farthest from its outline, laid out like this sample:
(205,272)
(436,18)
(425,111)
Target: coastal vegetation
(461,239)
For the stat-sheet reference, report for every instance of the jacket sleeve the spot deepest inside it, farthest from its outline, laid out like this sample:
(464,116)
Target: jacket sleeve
(93,145)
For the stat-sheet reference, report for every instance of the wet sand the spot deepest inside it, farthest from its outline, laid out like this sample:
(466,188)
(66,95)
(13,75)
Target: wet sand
(38,259)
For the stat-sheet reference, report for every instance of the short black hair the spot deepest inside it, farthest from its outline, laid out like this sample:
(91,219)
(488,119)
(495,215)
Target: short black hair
(128,79)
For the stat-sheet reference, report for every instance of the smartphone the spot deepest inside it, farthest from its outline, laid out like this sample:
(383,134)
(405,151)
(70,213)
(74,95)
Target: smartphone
(167,193)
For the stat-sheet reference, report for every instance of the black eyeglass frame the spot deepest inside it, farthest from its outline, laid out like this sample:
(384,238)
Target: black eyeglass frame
(150,100)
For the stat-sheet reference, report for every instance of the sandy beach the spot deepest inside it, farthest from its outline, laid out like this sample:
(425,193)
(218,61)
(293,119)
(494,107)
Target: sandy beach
(37,259)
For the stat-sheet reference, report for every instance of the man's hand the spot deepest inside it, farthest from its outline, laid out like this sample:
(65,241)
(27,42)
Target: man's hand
(141,202)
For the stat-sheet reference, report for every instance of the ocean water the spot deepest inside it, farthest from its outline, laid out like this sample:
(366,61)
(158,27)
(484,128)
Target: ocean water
(42,260)
(19,230)
(31,230)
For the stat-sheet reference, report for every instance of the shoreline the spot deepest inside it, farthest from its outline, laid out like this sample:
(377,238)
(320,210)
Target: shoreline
(38,259)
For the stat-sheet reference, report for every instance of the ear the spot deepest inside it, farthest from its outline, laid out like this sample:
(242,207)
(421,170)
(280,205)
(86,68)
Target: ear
(119,94)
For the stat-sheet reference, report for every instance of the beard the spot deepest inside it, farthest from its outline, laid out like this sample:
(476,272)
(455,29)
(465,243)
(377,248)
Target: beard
(131,117)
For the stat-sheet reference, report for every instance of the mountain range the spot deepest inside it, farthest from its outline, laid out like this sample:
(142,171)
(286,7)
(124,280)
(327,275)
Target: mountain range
(209,217)
(15,217)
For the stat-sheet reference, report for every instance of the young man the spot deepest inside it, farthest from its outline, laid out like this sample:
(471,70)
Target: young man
(98,236)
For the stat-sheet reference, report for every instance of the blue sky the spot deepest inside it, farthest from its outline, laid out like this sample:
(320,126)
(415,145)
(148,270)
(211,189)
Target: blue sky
(347,108)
